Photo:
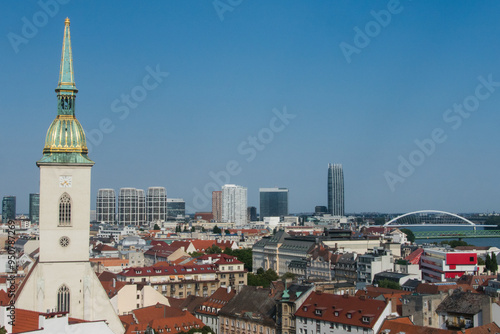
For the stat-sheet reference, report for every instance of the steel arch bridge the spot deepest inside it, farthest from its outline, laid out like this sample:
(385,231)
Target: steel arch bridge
(430,218)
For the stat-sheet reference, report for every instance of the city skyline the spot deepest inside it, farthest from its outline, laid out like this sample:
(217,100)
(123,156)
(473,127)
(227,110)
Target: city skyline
(405,107)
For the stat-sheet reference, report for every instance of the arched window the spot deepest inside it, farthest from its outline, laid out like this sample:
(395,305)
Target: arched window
(63,299)
(65,210)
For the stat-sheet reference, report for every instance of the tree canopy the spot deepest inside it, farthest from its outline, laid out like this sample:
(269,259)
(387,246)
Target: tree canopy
(409,234)
(262,278)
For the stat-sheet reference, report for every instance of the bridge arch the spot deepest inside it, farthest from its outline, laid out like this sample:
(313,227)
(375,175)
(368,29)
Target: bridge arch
(460,220)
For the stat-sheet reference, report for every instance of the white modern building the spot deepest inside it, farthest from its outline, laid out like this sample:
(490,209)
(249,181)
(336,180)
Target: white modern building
(234,204)
(156,205)
(131,207)
(106,206)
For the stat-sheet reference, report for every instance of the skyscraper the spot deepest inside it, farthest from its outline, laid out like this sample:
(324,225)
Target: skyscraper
(273,202)
(34,208)
(176,207)
(106,206)
(156,204)
(217,205)
(8,208)
(131,207)
(234,204)
(335,190)
(62,279)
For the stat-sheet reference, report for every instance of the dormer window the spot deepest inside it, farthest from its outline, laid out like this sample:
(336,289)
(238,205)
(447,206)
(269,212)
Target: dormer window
(336,313)
(318,312)
(349,315)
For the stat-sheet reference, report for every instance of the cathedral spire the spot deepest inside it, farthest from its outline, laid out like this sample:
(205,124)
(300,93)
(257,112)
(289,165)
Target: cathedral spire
(65,141)
(66,84)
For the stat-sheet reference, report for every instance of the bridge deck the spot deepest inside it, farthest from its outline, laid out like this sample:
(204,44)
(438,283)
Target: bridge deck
(457,234)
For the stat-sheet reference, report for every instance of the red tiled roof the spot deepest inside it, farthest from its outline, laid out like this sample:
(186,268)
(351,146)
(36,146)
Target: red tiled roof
(104,248)
(26,321)
(4,298)
(217,300)
(430,288)
(342,309)
(414,257)
(158,317)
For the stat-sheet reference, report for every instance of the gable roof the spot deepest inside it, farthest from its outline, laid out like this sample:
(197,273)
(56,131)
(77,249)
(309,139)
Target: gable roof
(217,300)
(342,309)
(463,302)
(252,303)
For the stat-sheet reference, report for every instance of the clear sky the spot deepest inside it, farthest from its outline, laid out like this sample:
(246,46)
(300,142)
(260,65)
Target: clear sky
(272,91)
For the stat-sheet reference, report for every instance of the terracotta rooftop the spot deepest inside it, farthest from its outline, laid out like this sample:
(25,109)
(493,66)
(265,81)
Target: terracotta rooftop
(216,301)
(342,309)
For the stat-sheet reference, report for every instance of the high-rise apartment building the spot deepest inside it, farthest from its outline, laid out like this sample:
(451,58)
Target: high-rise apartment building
(34,208)
(217,205)
(335,190)
(156,204)
(106,206)
(234,204)
(8,208)
(131,207)
(176,207)
(273,202)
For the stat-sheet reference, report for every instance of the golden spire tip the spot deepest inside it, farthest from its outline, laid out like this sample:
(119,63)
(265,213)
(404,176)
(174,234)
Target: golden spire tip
(66,22)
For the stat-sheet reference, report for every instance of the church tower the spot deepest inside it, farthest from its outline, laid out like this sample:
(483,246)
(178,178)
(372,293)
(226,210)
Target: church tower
(62,280)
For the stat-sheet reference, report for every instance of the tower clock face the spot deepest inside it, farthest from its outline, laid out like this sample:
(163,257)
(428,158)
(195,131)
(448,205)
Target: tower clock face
(65,181)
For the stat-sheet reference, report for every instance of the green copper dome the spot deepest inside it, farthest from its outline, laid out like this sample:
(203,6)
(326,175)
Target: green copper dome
(65,141)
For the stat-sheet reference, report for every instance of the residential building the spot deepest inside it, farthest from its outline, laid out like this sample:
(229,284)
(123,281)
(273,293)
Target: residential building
(421,308)
(176,208)
(156,205)
(234,204)
(439,265)
(217,205)
(175,281)
(208,312)
(273,202)
(106,206)
(131,207)
(342,314)
(372,263)
(335,190)
(462,310)
(230,271)
(252,310)
(34,213)
(347,267)
(8,208)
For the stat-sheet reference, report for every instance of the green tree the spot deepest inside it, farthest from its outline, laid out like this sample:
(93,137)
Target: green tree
(3,330)
(214,249)
(227,232)
(385,283)
(196,254)
(262,278)
(216,230)
(409,234)
(288,275)
(480,261)
(379,221)
(494,263)
(156,227)
(487,262)
(193,229)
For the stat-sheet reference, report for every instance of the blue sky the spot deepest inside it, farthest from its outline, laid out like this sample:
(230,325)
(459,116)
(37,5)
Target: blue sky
(233,66)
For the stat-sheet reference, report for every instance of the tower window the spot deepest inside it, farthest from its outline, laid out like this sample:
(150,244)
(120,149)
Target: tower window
(63,299)
(65,210)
